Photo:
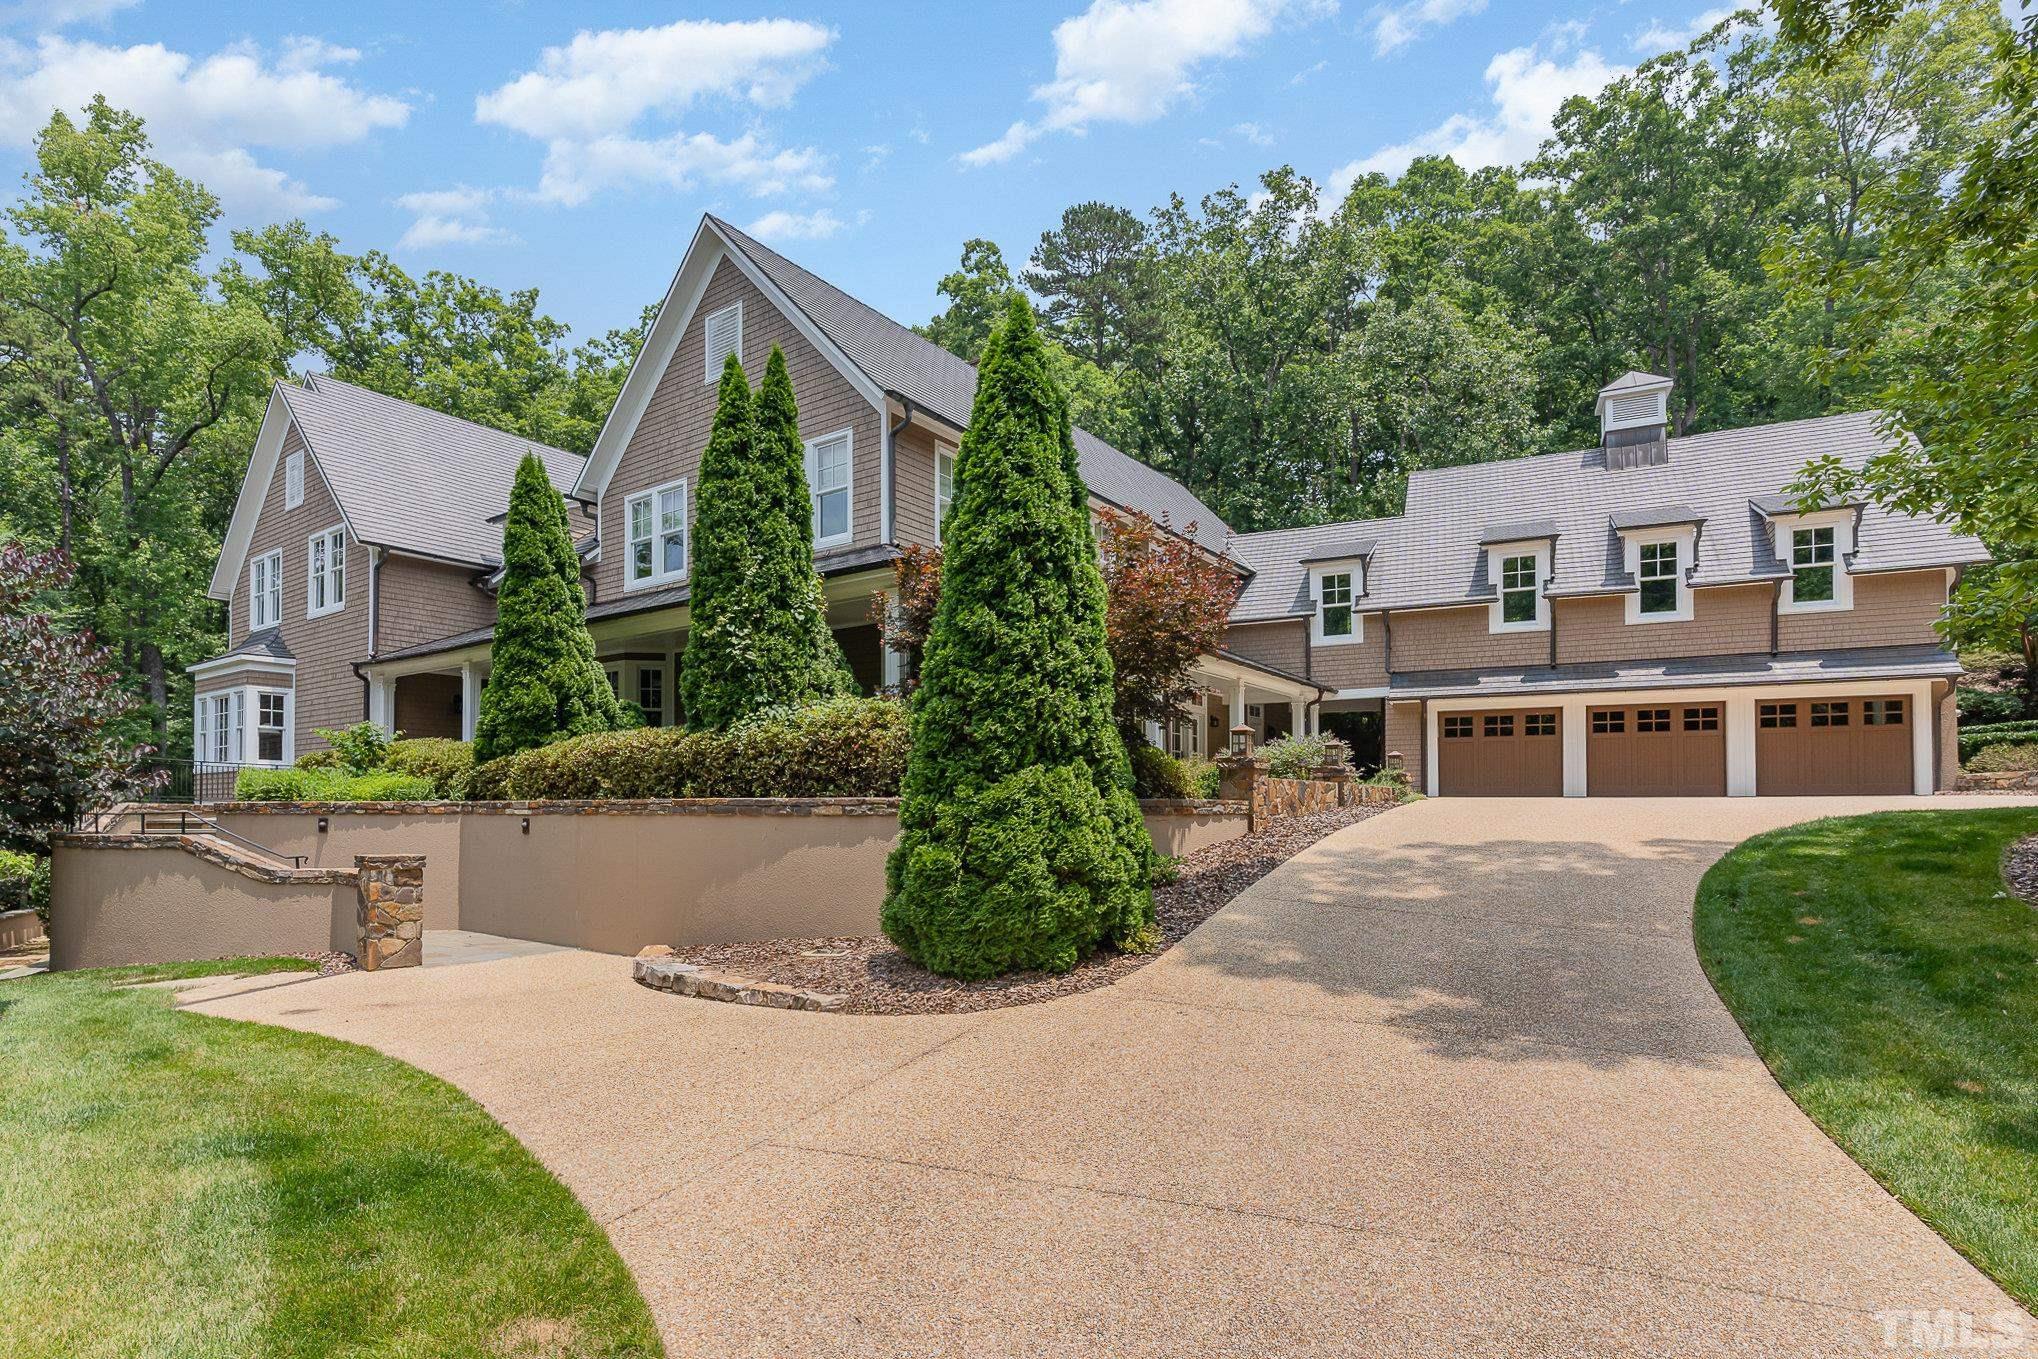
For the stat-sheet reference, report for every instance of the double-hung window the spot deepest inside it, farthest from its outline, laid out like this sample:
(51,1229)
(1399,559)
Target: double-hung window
(325,579)
(654,523)
(1811,565)
(1658,576)
(265,591)
(271,732)
(651,694)
(1518,592)
(828,471)
(217,737)
(1337,604)
(944,485)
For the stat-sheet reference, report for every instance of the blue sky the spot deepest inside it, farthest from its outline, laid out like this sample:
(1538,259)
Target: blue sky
(573,146)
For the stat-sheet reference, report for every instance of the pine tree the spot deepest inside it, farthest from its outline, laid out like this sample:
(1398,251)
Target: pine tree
(1021,845)
(757,635)
(544,683)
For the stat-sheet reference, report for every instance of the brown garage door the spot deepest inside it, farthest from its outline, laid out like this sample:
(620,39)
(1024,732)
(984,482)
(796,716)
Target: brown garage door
(1514,752)
(1833,745)
(1656,750)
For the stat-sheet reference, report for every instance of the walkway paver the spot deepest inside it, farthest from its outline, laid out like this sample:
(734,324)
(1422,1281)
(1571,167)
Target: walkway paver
(1450,1083)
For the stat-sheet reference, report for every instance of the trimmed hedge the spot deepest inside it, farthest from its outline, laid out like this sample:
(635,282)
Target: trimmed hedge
(330,785)
(2005,759)
(845,747)
(444,764)
(1155,773)
(1974,739)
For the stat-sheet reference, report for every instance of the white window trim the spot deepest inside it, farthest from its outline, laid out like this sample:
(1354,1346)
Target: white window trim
(1496,553)
(1841,521)
(714,361)
(293,480)
(943,450)
(244,716)
(1686,539)
(275,564)
(848,437)
(335,539)
(659,577)
(254,707)
(1356,569)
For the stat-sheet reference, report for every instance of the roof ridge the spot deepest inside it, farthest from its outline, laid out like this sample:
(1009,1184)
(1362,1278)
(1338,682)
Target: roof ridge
(324,378)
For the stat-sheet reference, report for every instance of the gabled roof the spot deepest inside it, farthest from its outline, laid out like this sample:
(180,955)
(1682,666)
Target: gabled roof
(406,478)
(882,357)
(1279,561)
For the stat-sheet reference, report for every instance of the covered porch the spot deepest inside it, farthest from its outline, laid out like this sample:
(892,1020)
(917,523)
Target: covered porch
(1231,690)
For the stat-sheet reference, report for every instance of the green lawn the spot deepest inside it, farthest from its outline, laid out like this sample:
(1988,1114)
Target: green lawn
(1891,982)
(173,1184)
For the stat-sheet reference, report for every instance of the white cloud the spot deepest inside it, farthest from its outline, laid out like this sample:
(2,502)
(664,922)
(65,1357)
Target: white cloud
(1660,36)
(1254,133)
(457,215)
(1130,61)
(427,232)
(602,82)
(1396,26)
(1525,87)
(605,103)
(202,113)
(796,226)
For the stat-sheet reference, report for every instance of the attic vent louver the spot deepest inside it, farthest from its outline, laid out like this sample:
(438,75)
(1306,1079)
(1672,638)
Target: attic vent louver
(1634,421)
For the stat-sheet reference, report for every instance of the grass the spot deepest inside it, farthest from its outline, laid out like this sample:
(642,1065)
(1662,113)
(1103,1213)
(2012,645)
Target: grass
(1890,981)
(174,1184)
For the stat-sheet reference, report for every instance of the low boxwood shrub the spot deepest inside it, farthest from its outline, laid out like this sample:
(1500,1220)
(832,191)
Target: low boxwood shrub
(1155,773)
(321,759)
(330,785)
(442,763)
(1975,739)
(24,882)
(845,747)
(1204,777)
(2005,758)
(1292,757)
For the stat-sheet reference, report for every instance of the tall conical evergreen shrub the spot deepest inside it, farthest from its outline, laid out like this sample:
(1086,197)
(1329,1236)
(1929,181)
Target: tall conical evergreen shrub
(788,580)
(754,639)
(544,683)
(1022,845)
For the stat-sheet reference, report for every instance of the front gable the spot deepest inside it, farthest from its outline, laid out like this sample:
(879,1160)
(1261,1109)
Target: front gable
(264,472)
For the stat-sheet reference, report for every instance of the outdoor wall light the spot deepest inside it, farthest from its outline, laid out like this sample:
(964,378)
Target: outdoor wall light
(323,825)
(1241,740)
(527,825)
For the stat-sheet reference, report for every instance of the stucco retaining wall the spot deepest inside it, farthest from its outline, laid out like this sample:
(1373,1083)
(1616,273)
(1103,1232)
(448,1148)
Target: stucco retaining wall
(156,902)
(18,929)
(615,876)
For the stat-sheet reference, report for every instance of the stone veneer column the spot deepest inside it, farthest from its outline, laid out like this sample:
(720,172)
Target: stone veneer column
(390,911)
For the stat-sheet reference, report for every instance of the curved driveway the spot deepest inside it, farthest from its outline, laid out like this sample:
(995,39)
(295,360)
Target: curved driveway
(1450,1083)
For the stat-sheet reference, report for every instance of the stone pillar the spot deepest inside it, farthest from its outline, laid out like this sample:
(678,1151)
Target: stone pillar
(1238,780)
(389,914)
(1337,775)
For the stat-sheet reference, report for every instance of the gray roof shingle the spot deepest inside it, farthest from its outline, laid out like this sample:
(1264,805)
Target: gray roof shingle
(415,479)
(1725,482)
(1799,667)
(266,644)
(922,372)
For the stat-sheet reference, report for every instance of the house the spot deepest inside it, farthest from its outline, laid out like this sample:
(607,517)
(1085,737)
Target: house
(1646,616)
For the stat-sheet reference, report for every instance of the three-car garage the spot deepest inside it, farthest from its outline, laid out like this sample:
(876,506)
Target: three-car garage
(1789,745)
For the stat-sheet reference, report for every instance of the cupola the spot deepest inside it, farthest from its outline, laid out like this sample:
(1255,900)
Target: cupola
(1634,420)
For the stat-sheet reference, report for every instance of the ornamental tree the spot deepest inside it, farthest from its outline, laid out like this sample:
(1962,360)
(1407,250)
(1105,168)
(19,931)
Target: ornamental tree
(60,710)
(1021,845)
(544,683)
(758,637)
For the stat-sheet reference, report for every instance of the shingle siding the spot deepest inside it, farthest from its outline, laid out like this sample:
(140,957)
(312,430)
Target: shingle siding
(668,441)
(1450,639)
(328,692)
(1726,621)
(1402,733)
(1889,610)
(1283,645)
(426,706)
(1353,665)
(423,601)
(913,453)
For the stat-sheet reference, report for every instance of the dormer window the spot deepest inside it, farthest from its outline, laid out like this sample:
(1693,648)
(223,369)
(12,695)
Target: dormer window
(1658,576)
(1517,565)
(1811,565)
(1337,582)
(1659,558)
(1518,593)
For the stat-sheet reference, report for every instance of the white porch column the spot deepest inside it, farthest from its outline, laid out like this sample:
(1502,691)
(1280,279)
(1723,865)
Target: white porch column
(1573,726)
(1740,718)
(1312,717)
(381,703)
(1238,717)
(1923,721)
(895,668)
(470,699)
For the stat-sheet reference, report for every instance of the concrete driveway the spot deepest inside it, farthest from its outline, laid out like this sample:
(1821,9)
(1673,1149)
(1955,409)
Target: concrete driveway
(1451,1083)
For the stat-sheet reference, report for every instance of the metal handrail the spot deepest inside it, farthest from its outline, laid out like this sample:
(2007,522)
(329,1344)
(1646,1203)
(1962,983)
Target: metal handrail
(93,821)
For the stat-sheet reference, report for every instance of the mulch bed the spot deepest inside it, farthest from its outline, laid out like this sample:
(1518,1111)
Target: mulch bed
(876,979)
(2020,868)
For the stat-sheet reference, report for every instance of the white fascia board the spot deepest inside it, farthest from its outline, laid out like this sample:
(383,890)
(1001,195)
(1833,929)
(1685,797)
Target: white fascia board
(261,469)
(675,312)
(263,665)
(823,346)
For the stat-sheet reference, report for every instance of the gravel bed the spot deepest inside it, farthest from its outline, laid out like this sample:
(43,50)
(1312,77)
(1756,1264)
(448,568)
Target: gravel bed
(2020,868)
(876,979)
(331,964)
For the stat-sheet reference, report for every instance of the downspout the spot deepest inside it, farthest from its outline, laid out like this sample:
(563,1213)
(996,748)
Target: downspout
(374,631)
(889,476)
(1387,643)
(1775,615)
